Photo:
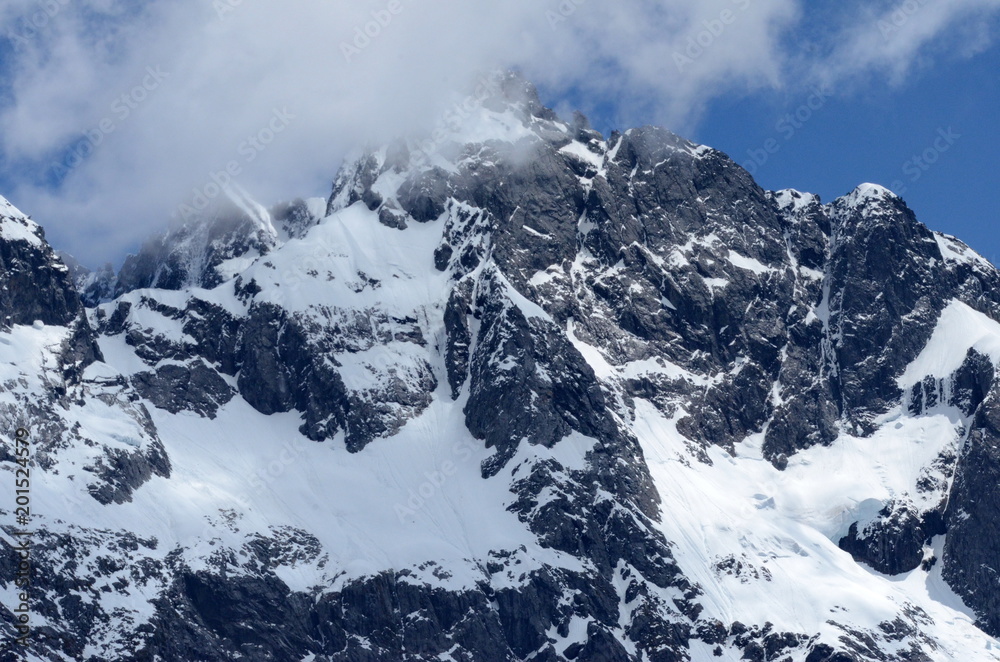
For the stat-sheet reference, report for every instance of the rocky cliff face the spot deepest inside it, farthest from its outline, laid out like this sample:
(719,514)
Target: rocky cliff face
(536,395)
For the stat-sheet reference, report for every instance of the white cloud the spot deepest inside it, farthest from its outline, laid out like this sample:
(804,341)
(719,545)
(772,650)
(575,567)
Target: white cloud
(890,39)
(231,63)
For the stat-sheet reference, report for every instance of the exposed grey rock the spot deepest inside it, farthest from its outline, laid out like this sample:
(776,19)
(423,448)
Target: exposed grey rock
(294,219)
(193,387)
(95,287)
(971,557)
(518,361)
(35,285)
(456,322)
(193,251)
(121,472)
(894,542)
(284,365)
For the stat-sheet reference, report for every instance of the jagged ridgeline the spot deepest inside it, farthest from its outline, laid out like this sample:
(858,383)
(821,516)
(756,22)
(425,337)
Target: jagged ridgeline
(525,392)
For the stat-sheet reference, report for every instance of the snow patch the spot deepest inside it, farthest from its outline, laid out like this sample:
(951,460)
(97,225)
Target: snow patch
(959,329)
(795,201)
(952,250)
(748,263)
(785,525)
(866,193)
(580,151)
(15,226)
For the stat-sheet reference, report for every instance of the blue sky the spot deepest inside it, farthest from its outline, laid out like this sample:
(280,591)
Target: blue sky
(116,113)
(873,130)
(874,136)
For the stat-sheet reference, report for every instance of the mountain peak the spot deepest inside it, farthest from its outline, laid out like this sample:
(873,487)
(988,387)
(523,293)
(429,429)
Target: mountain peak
(867,193)
(16,226)
(504,90)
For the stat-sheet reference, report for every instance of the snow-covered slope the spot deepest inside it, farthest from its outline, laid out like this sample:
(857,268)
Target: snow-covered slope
(532,394)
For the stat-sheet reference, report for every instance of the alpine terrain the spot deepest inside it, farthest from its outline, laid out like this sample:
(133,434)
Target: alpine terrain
(520,392)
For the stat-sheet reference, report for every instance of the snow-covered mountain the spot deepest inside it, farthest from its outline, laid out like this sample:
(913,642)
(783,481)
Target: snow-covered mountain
(532,394)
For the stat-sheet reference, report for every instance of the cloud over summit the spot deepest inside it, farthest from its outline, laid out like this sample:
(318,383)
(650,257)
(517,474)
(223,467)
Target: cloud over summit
(101,179)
